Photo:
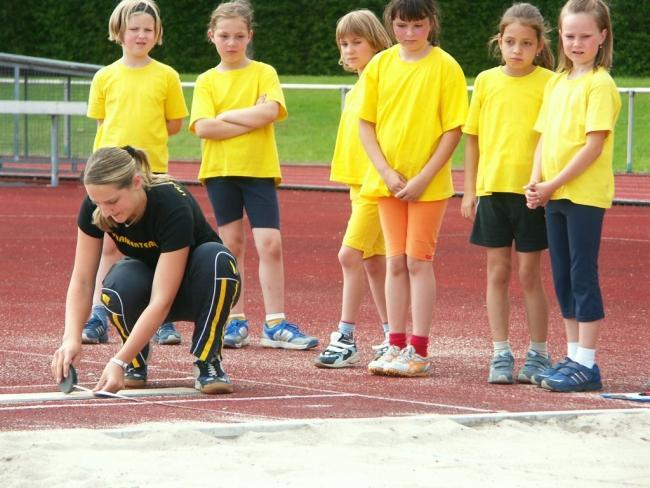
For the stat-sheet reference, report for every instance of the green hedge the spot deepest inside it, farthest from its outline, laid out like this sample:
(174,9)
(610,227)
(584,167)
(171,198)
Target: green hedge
(295,36)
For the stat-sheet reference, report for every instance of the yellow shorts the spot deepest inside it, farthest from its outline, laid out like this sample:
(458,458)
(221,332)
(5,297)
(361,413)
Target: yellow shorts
(411,228)
(364,230)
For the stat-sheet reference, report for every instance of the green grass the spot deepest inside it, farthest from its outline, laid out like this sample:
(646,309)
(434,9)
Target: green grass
(307,136)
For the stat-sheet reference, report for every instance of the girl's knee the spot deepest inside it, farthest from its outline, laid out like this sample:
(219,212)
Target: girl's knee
(350,258)
(397,265)
(530,278)
(375,266)
(269,246)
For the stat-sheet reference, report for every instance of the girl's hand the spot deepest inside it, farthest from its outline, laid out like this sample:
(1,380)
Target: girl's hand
(69,353)
(394,181)
(261,100)
(412,189)
(538,194)
(112,379)
(468,206)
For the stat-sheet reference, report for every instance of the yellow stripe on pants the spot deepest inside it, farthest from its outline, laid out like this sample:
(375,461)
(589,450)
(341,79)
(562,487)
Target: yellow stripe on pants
(215,321)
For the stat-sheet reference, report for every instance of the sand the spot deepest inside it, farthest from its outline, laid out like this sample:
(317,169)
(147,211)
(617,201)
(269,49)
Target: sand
(610,449)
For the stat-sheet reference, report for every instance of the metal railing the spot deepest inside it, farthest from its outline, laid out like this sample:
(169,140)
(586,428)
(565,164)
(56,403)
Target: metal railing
(70,75)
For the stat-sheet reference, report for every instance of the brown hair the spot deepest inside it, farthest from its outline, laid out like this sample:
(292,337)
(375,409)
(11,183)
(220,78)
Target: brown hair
(600,12)
(365,24)
(413,10)
(229,10)
(530,16)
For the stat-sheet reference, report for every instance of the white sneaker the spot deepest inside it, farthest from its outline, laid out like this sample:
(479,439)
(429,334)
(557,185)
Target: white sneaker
(379,349)
(340,353)
(378,366)
(408,363)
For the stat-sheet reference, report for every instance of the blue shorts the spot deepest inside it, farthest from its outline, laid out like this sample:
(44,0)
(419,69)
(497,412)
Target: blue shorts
(574,233)
(504,217)
(230,195)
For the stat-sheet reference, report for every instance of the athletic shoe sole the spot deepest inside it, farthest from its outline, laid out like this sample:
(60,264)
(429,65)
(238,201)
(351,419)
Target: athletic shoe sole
(230,344)
(170,341)
(577,389)
(286,345)
(91,340)
(133,383)
(501,380)
(345,363)
(214,388)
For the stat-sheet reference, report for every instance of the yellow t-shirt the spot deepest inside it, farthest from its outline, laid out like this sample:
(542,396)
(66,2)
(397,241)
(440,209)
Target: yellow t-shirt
(350,161)
(411,105)
(255,153)
(135,105)
(571,109)
(502,114)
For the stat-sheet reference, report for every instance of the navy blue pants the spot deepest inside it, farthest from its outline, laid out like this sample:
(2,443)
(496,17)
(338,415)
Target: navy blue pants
(574,233)
(210,287)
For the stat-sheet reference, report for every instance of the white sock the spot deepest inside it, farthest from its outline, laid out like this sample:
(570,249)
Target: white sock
(540,348)
(386,328)
(275,317)
(586,357)
(499,347)
(572,349)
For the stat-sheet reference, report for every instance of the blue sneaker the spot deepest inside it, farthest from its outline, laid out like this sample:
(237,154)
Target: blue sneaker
(537,378)
(286,336)
(96,329)
(501,369)
(167,335)
(574,377)
(535,363)
(236,335)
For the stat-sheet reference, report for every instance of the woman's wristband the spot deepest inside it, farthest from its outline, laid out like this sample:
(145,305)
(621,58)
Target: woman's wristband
(120,363)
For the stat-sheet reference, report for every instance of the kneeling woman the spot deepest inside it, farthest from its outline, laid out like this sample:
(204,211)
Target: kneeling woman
(175,269)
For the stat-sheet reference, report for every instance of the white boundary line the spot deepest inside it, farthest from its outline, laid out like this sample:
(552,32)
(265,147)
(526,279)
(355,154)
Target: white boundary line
(310,389)
(99,402)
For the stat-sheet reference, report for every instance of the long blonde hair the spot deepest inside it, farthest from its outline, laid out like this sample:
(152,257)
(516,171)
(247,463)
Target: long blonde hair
(600,13)
(117,166)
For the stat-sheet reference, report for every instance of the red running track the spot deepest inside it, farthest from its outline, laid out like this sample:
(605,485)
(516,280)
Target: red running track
(37,234)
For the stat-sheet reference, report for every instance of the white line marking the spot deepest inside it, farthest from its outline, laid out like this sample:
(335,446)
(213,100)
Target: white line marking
(306,388)
(213,398)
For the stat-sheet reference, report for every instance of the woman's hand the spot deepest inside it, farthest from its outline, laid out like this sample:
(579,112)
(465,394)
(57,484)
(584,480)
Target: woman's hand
(69,353)
(111,380)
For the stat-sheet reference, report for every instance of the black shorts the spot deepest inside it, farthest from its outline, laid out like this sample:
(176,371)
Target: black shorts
(504,217)
(230,195)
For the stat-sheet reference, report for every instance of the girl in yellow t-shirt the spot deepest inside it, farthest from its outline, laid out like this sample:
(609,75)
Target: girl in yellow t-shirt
(136,101)
(359,36)
(499,150)
(233,110)
(414,104)
(573,177)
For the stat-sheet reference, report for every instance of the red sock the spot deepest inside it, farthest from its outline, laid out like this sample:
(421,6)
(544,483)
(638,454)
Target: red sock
(420,344)
(397,339)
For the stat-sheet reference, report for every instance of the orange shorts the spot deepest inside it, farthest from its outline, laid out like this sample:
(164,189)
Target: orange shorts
(411,228)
